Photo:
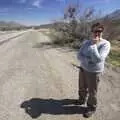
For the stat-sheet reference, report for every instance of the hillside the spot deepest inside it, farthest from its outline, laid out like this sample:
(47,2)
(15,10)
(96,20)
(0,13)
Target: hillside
(111,21)
(46,26)
(114,15)
(10,25)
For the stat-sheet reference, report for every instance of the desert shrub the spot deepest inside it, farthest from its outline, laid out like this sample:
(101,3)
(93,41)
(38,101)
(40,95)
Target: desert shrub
(74,27)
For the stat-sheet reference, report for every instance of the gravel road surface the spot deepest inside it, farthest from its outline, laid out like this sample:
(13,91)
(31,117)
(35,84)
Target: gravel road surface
(38,81)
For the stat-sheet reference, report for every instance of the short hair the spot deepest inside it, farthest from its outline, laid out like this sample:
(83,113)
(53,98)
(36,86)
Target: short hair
(97,26)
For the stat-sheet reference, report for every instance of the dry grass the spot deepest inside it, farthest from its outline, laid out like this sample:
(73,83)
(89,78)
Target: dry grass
(114,57)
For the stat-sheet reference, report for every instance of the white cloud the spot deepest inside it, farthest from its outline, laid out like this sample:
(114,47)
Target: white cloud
(37,3)
(29,8)
(107,1)
(62,1)
(22,1)
(4,10)
(99,2)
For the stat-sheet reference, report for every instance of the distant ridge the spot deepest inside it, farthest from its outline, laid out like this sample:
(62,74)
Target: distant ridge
(11,24)
(114,15)
(46,26)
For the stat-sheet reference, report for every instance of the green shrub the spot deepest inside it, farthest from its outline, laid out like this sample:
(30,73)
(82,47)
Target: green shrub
(114,58)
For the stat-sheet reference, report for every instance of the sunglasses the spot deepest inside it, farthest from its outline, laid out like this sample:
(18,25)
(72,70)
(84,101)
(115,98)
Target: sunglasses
(97,31)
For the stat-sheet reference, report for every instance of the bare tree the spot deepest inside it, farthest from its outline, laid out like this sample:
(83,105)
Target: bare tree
(75,26)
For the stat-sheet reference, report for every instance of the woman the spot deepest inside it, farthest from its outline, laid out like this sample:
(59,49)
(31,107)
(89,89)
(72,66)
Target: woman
(92,55)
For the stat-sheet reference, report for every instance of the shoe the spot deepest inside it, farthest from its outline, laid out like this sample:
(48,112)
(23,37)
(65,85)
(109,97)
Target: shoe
(80,102)
(89,112)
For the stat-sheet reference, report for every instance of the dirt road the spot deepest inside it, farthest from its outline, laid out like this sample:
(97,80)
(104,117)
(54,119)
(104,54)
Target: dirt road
(38,81)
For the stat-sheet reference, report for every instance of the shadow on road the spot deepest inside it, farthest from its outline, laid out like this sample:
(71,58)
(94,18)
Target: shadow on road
(47,45)
(36,106)
(50,45)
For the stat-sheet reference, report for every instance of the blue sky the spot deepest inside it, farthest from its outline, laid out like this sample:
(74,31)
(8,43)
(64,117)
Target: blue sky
(44,11)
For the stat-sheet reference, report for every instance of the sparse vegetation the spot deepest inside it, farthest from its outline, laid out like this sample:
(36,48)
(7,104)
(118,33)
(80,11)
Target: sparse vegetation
(75,27)
(114,58)
(9,26)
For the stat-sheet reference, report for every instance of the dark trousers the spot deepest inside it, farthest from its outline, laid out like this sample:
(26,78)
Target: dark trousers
(88,85)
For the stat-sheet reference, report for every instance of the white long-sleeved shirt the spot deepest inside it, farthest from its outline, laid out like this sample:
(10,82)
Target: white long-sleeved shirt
(92,56)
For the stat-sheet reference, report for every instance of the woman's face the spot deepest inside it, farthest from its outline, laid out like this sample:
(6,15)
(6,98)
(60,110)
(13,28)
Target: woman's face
(96,34)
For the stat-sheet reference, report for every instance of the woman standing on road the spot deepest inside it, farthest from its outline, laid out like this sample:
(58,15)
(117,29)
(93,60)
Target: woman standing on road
(92,55)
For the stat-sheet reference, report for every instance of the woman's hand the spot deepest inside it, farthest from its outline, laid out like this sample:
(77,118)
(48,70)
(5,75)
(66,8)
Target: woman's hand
(95,40)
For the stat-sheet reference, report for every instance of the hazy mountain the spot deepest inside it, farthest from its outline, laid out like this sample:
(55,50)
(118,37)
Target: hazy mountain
(114,15)
(10,24)
(46,26)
